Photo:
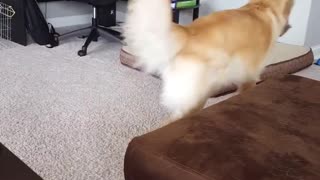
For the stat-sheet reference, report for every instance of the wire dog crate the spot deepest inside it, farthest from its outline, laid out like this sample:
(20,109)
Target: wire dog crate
(6,15)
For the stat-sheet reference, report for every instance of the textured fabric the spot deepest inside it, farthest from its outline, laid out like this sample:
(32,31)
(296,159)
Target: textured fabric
(12,168)
(268,133)
(285,52)
(69,117)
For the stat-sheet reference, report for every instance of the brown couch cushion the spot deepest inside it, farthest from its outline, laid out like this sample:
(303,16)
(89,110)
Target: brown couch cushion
(270,132)
(12,168)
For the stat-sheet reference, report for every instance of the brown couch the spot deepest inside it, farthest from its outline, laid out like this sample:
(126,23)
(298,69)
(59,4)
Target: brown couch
(13,168)
(271,132)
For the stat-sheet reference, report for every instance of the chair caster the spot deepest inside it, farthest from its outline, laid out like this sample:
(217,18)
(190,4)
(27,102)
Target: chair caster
(82,37)
(95,39)
(82,52)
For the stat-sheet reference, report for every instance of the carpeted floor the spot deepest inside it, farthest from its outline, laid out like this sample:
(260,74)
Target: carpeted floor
(71,118)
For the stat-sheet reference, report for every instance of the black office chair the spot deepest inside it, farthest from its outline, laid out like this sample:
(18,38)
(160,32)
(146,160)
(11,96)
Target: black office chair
(94,34)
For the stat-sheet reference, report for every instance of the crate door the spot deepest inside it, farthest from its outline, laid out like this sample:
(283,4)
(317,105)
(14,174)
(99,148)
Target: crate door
(12,22)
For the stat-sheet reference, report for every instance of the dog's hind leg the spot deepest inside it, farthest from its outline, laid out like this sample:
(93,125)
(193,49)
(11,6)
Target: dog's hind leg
(186,87)
(250,79)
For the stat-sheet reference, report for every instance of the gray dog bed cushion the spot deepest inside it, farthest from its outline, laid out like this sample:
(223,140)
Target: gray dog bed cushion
(283,59)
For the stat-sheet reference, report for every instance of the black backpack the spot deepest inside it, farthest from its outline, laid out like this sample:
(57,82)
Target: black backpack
(41,32)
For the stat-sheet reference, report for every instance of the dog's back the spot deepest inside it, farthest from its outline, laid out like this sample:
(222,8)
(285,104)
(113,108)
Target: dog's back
(224,37)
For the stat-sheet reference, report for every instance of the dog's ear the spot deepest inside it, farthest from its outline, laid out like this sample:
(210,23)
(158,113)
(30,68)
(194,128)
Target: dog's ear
(286,10)
(288,5)
(285,29)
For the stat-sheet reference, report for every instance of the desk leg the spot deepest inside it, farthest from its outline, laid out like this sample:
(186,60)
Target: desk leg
(176,16)
(196,11)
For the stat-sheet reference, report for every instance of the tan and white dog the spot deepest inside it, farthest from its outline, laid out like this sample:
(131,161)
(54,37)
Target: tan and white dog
(198,59)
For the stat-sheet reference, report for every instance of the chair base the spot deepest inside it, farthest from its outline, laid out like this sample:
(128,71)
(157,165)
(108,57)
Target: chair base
(94,34)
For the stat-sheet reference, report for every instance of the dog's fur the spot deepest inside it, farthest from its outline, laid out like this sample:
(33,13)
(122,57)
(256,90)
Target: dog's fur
(196,60)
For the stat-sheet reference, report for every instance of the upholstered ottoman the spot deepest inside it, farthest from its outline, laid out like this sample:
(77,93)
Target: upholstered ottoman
(13,168)
(271,132)
(283,59)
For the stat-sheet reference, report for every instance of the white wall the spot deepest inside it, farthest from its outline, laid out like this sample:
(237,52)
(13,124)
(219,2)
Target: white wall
(64,8)
(66,13)
(313,29)
(299,22)
(208,6)
(70,13)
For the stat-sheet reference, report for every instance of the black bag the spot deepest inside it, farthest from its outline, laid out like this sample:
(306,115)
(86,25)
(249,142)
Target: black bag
(37,26)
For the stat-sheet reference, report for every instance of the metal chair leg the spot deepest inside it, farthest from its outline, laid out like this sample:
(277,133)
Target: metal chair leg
(93,36)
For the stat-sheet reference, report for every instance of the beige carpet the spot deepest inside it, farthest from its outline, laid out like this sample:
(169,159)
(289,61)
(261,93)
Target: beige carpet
(71,118)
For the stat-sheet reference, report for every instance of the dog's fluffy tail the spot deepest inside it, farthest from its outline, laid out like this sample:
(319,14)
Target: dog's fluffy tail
(148,33)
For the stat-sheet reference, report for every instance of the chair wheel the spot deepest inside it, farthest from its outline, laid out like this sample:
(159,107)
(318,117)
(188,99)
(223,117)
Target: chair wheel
(82,53)
(82,37)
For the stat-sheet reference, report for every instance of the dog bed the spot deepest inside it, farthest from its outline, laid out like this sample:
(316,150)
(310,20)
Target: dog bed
(270,132)
(283,59)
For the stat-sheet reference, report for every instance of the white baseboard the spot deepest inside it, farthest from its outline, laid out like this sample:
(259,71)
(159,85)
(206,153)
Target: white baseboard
(316,52)
(76,20)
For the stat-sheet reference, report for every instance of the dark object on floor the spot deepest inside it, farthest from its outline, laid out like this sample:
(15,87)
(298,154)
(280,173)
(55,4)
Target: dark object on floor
(318,62)
(37,26)
(270,132)
(12,168)
(101,9)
